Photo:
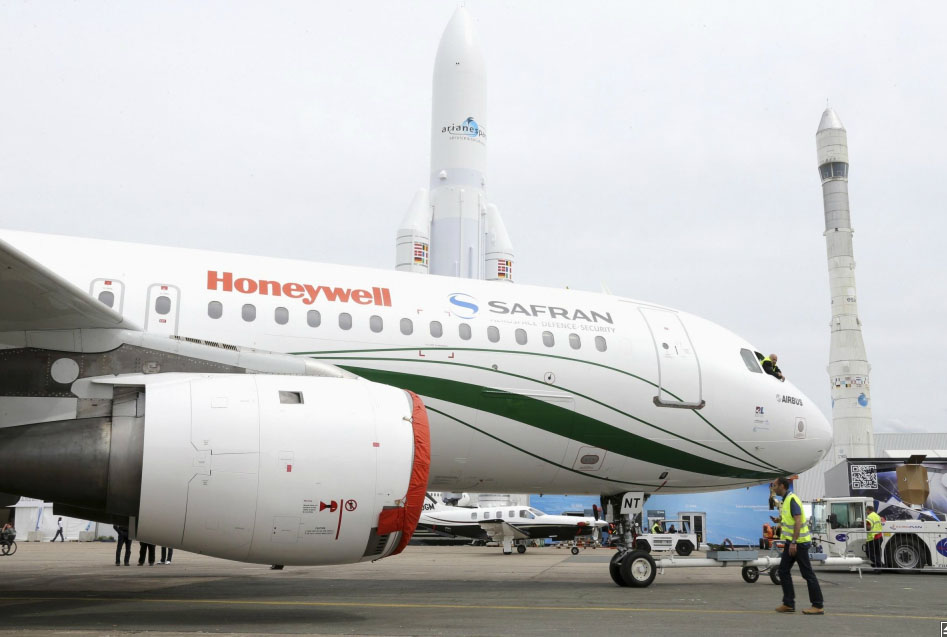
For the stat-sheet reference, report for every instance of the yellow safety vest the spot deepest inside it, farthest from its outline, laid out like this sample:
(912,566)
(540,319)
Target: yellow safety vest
(656,528)
(788,524)
(875,529)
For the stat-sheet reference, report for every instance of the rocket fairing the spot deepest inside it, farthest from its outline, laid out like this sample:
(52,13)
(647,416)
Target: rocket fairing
(848,363)
(452,224)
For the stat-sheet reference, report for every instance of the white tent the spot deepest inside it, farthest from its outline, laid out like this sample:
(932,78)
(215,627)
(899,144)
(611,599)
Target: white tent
(36,515)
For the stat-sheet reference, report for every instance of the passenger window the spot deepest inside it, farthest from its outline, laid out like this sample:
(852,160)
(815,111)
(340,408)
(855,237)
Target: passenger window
(509,514)
(473,516)
(548,339)
(162,305)
(600,343)
(522,513)
(493,334)
(464,330)
(215,309)
(248,312)
(407,327)
(345,321)
(520,336)
(313,318)
(750,361)
(574,341)
(107,297)
(376,324)
(437,330)
(281,315)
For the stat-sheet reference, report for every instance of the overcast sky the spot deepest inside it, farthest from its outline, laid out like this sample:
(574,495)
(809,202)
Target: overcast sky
(666,150)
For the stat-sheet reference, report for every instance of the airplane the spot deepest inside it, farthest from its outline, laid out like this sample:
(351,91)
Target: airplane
(281,411)
(507,524)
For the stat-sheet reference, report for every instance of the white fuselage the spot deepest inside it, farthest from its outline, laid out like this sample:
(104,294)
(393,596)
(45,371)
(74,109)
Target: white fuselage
(528,389)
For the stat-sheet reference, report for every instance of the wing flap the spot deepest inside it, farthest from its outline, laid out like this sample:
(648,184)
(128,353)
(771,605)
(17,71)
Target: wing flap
(33,297)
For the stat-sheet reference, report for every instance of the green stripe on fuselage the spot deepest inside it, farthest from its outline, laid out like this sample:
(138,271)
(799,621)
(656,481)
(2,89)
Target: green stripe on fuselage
(557,420)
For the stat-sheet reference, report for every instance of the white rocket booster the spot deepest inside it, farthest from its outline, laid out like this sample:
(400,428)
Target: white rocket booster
(848,363)
(451,229)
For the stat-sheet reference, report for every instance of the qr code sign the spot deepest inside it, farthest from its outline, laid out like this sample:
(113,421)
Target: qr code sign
(864,476)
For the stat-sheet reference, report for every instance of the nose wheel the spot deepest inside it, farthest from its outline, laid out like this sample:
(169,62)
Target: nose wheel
(632,568)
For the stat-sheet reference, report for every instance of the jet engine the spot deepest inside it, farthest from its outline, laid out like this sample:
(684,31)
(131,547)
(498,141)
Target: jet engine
(272,469)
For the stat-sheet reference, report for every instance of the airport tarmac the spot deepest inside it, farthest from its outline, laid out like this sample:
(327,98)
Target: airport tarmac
(73,588)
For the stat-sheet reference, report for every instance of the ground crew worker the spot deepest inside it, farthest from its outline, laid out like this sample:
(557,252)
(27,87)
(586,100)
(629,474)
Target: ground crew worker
(656,527)
(795,531)
(873,543)
(769,366)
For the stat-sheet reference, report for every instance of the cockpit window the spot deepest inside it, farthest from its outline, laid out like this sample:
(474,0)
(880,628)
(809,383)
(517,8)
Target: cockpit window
(750,360)
(536,512)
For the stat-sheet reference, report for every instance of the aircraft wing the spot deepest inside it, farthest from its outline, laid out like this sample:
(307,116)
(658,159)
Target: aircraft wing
(35,298)
(497,530)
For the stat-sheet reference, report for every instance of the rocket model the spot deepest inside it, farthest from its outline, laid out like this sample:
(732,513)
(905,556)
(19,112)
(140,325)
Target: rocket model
(848,364)
(450,229)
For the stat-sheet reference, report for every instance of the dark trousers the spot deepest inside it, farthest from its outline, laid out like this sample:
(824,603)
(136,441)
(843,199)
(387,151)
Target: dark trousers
(166,553)
(805,569)
(141,553)
(873,548)
(59,535)
(123,541)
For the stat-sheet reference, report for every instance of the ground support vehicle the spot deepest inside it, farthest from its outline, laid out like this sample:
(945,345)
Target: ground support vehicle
(681,541)
(838,529)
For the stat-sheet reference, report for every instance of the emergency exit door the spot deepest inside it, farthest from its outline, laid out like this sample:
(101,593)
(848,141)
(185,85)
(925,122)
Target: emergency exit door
(110,292)
(162,312)
(679,383)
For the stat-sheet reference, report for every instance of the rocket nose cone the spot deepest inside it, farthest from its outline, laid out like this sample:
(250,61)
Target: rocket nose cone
(459,44)
(830,120)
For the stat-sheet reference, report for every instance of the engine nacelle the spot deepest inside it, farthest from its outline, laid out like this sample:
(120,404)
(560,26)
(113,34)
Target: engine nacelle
(260,468)
(281,469)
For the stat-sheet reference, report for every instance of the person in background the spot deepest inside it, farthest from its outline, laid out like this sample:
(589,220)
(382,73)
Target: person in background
(873,543)
(59,534)
(123,541)
(144,547)
(166,553)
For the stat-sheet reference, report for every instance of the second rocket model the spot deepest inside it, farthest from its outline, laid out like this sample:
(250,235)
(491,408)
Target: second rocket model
(451,229)
(848,362)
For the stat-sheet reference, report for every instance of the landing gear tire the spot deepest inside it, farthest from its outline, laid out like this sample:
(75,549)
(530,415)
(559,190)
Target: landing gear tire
(614,569)
(684,548)
(774,575)
(575,550)
(520,549)
(750,574)
(638,569)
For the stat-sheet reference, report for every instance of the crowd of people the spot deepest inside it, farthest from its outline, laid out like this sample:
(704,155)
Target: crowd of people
(144,550)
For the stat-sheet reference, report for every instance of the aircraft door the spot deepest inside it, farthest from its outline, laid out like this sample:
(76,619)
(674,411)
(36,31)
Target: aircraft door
(679,382)
(162,312)
(110,292)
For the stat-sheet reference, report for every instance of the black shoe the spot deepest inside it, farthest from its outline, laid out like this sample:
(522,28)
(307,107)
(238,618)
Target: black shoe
(276,567)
